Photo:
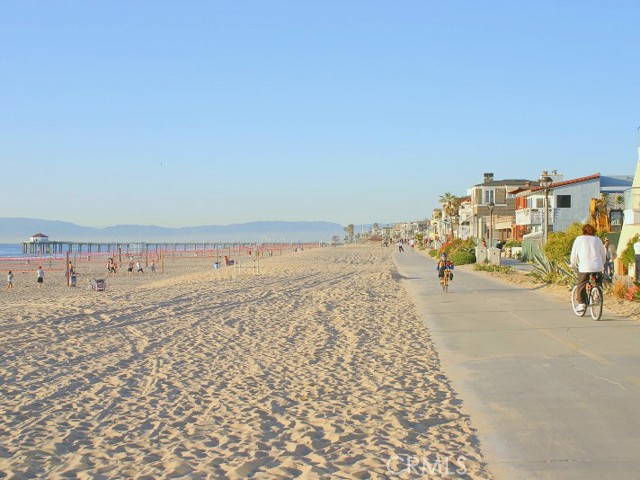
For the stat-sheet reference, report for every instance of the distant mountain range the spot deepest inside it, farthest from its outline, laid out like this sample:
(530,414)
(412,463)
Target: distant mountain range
(14,230)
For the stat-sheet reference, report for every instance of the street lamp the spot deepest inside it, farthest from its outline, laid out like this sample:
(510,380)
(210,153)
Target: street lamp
(491,205)
(545,183)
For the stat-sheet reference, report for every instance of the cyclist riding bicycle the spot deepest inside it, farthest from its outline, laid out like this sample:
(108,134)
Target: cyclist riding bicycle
(444,265)
(588,255)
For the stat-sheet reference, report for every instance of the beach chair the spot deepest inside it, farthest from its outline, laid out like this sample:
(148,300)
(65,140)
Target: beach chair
(98,284)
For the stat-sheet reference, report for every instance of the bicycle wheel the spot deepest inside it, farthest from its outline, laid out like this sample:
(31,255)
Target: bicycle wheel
(574,305)
(595,303)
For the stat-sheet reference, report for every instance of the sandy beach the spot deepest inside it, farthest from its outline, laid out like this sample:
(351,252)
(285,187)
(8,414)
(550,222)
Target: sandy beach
(318,367)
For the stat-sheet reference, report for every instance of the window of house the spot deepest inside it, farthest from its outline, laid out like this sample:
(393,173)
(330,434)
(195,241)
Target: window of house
(616,219)
(488,196)
(563,201)
(539,202)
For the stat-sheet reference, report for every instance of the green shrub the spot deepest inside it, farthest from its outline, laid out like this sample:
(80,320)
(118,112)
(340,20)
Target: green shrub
(558,246)
(513,243)
(490,267)
(628,255)
(433,253)
(463,257)
(457,245)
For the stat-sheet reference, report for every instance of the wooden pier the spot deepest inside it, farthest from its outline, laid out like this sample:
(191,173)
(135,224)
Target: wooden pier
(61,247)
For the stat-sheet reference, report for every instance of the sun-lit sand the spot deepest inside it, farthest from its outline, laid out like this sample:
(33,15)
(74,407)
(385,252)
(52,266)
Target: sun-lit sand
(319,367)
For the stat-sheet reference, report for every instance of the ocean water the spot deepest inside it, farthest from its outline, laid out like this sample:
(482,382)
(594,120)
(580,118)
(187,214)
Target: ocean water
(11,250)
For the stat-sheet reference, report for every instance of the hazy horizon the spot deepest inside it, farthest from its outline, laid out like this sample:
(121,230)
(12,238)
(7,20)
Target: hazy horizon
(21,229)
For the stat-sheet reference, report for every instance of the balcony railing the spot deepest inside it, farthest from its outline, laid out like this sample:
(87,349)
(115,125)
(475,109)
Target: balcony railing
(632,199)
(533,216)
(503,222)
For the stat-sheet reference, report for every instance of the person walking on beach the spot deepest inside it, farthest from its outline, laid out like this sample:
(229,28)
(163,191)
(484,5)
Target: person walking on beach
(130,269)
(153,266)
(588,255)
(139,267)
(10,280)
(40,274)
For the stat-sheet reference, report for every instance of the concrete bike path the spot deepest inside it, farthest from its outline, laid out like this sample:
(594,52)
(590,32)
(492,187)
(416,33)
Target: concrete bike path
(552,395)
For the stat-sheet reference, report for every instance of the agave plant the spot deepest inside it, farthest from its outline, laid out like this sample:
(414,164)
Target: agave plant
(550,272)
(569,275)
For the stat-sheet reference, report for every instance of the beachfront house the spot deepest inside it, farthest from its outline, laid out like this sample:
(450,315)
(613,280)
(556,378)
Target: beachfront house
(464,227)
(435,224)
(493,207)
(570,201)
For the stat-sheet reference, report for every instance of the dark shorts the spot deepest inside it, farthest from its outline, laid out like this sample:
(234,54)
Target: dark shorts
(40,279)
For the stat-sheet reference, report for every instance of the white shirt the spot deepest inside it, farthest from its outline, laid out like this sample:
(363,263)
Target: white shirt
(636,248)
(588,254)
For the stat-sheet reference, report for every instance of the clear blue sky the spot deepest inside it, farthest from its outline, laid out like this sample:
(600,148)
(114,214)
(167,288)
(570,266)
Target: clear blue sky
(212,112)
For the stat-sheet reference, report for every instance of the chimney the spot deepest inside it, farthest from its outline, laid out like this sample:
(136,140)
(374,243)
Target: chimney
(488,177)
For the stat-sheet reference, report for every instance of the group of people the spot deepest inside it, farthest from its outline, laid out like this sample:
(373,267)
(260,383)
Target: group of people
(138,266)
(39,278)
(402,242)
(112,267)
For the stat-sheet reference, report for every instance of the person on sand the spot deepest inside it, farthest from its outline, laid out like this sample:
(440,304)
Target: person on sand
(111,266)
(40,273)
(130,269)
(139,267)
(588,255)
(9,280)
(153,266)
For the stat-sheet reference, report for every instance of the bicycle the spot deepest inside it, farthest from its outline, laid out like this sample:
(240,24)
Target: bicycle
(595,297)
(444,281)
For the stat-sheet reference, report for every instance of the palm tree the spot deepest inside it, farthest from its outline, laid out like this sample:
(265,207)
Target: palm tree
(450,205)
(349,230)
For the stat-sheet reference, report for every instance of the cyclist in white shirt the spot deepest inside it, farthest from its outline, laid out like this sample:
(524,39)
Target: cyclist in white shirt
(588,255)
